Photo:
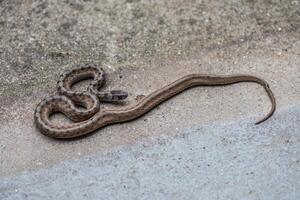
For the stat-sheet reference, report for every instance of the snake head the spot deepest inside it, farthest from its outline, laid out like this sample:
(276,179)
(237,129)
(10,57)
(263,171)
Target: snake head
(112,96)
(118,95)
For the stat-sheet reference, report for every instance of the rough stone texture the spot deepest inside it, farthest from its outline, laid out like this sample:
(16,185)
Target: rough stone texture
(39,38)
(144,45)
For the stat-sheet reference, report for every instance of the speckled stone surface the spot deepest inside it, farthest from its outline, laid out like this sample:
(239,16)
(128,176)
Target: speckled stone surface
(39,39)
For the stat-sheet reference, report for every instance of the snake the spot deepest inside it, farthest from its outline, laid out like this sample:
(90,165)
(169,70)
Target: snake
(83,107)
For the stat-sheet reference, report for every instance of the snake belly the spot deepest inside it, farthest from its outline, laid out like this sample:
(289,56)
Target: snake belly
(92,118)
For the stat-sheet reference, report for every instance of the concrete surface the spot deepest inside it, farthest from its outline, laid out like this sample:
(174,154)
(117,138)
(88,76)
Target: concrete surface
(144,45)
(220,161)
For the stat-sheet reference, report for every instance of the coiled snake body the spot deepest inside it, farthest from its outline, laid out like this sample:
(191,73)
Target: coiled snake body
(91,118)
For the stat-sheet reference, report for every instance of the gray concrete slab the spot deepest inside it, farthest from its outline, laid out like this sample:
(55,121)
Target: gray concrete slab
(233,160)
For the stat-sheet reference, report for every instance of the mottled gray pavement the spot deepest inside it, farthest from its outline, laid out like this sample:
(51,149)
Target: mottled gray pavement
(200,143)
(221,161)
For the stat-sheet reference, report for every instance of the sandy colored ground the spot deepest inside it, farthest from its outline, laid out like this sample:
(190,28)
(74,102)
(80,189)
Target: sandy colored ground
(25,148)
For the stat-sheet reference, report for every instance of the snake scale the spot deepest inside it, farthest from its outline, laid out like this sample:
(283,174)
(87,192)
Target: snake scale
(92,117)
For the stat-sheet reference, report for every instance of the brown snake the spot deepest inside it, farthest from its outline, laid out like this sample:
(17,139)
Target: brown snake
(91,118)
